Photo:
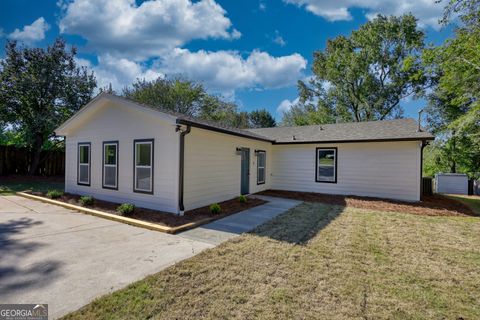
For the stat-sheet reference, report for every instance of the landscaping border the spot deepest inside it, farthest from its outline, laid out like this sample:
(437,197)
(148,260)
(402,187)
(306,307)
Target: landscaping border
(114,217)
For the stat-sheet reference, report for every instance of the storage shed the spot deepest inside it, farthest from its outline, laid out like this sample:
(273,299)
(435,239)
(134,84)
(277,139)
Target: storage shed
(454,183)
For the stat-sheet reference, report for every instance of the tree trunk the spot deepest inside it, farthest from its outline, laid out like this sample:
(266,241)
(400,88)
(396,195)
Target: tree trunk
(35,154)
(453,167)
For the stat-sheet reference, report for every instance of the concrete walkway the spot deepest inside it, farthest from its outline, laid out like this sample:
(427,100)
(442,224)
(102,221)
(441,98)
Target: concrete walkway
(232,226)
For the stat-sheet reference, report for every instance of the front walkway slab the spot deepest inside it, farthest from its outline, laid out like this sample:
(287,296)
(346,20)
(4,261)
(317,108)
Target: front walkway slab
(232,226)
(49,254)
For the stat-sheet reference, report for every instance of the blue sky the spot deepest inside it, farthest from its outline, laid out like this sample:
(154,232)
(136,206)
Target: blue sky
(249,51)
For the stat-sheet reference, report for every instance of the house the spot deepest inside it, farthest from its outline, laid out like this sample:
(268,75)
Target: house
(122,151)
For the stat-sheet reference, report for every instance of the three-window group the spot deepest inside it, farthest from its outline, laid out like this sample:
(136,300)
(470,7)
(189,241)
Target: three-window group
(142,165)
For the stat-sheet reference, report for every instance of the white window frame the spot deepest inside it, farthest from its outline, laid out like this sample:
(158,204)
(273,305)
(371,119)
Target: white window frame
(259,152)
(88,165)
(104,185)
(135,166)
(317,165)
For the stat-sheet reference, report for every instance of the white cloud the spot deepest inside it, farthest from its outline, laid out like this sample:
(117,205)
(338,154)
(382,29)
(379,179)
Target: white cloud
(278,39)
(140,31)
(31,33)
(226,71)
(221,72)
(262,6)
(119,72)
(427,11)
(286,105)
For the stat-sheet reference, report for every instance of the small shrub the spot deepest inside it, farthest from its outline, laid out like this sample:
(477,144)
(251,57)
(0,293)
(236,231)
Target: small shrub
(54,194)
(86,201)
(242,199)
(125,209)
(215,208)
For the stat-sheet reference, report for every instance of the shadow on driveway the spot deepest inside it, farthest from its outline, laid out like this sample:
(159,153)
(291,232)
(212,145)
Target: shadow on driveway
(13,250)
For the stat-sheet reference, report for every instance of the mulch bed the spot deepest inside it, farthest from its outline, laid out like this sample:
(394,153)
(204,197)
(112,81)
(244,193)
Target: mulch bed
(228,207)
(436,205)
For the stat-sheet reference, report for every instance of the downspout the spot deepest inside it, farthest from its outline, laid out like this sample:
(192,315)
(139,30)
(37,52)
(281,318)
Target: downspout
(181,170)
(424,144)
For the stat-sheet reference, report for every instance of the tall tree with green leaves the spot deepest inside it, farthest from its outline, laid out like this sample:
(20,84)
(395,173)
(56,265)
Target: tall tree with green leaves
(189,98)
(454,103)
(364,76)
(39,89)
(261,119)
(178,95)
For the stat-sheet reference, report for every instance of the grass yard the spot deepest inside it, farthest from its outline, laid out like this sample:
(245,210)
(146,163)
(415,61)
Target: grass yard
(318,261)
(12,184)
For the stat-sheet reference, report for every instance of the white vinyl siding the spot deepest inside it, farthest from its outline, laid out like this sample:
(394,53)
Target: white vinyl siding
(83,169)
(374,169)
(143,165)
(116,122)
(110,164)
(213,167)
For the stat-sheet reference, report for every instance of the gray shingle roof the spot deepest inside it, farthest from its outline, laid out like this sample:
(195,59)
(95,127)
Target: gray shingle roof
(387,130)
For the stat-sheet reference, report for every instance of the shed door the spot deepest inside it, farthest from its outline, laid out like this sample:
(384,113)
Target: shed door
(245,172)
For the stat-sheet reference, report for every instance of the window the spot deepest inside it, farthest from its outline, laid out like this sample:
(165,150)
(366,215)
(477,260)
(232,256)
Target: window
(261,164)
(110,165)
(83,169)
(143,166)
(326,165)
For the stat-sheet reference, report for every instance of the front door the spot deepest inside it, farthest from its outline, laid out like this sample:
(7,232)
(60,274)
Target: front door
(245,172)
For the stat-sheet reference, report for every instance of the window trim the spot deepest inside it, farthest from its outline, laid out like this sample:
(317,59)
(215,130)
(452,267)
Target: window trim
(104,144)
(335,149)
(264,167)
(82,144)
(152,158)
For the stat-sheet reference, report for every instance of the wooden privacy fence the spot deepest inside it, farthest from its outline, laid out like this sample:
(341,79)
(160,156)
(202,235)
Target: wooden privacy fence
(15,160)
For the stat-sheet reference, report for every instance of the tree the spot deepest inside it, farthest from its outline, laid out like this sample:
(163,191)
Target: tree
(39,89)
(365,76)
(190,98)
(468,11)
(261,119)
(176,94)
(454,103)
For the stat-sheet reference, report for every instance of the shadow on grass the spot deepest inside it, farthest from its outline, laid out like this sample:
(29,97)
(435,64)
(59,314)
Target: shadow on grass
(300,224)
(15,273)
(12,184)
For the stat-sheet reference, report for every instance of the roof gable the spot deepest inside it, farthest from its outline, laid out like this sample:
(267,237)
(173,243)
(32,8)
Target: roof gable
(99,102)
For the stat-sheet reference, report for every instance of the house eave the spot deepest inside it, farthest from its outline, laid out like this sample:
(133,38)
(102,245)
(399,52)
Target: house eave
(353,141)
(220,130)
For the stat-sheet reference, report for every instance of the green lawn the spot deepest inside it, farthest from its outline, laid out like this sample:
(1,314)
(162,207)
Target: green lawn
(318,262)
(12,185)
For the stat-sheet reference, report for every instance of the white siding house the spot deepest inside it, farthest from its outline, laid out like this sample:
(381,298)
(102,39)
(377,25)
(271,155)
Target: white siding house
(373,169)
(121,151)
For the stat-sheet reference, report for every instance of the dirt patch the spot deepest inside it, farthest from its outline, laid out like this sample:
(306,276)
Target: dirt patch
(228,207)
(435,205)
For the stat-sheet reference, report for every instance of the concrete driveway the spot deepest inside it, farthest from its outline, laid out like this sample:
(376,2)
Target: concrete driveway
(49,254)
